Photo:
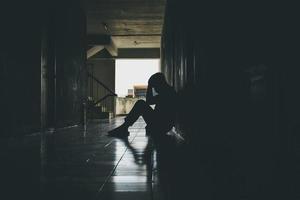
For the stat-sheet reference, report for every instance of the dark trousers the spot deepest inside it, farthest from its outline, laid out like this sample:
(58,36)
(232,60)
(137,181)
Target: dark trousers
(141,108)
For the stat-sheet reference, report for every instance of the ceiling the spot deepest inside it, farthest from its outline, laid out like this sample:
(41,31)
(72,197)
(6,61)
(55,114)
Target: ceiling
(130,23)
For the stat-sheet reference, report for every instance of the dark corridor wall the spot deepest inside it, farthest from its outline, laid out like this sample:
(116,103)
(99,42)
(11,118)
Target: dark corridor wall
(20,68)
(70,50)
(235,70)
(22,25)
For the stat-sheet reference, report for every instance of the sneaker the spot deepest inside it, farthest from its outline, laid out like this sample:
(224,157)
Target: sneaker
(119,132)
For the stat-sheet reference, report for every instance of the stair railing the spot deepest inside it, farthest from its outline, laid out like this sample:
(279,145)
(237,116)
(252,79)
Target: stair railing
(100,93)
(110,92)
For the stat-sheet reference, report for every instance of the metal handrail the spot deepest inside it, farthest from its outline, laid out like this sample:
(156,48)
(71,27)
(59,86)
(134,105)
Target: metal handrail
(102,84)
(87,106)
(103,98)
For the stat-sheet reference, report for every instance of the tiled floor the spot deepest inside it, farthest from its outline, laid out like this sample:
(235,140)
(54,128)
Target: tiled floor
(100,167)
(83,165)
(92,166)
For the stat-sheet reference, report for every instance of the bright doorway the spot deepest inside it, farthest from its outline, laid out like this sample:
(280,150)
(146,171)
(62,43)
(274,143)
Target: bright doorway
(134,72)
(131,81)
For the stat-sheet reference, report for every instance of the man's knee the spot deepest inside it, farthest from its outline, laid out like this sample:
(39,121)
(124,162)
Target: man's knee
(140,103)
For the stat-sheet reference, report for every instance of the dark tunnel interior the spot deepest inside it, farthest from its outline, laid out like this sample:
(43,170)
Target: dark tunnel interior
(234,67)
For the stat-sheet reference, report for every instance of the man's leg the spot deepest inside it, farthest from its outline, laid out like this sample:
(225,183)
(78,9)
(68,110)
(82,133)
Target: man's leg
(140,108)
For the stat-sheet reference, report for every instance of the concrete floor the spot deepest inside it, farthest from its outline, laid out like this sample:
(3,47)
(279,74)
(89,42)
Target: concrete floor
(90,167)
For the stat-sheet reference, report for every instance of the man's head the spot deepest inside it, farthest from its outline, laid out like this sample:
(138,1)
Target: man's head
(158,81)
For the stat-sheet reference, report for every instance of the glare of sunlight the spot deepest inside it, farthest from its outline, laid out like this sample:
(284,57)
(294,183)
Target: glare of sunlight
(130,72)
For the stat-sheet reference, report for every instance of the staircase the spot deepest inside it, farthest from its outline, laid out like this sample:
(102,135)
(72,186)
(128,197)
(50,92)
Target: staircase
(101,99)
(98,111)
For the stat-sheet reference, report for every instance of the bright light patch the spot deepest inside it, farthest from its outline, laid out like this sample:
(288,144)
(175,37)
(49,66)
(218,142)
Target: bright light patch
(130,72)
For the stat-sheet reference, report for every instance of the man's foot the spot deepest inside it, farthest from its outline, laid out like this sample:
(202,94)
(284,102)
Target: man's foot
(120,132)
(149,130)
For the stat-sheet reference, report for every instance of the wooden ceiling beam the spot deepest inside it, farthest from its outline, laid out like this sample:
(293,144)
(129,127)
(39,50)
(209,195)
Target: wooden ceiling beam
(112,49)
(94,50)
(99,42)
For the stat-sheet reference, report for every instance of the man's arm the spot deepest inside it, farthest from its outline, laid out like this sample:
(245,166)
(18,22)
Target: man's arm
(150,99)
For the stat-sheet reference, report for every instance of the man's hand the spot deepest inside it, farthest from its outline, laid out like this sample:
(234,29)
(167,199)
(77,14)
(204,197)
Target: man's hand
(150,99)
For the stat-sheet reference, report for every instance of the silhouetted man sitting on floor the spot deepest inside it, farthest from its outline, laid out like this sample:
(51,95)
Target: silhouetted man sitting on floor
(160,119)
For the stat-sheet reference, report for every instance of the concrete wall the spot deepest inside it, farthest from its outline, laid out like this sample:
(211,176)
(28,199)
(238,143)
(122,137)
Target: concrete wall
(233,72)
(103,70)
(124,105)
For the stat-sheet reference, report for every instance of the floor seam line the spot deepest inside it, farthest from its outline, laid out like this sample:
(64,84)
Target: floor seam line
(113,170)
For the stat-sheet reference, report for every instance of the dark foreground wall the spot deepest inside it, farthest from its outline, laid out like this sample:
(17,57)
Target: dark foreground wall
(20,68)
(24,25)
(235,69)
(70,32)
